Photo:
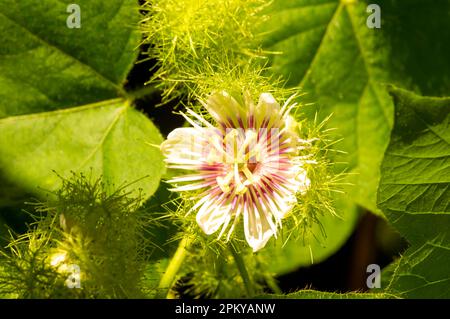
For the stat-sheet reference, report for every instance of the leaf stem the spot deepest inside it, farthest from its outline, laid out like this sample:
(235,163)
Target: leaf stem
(168,279)
(242,269)
(147,90)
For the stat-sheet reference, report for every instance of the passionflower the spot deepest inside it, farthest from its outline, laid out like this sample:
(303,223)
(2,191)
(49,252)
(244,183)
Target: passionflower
(244,162)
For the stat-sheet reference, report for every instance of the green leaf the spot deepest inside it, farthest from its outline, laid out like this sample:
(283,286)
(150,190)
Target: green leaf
(414,31)
(314,294)
(298,253)
(45,66)
(422,272)
(414,194)
(339,63)
(342,66)
(111,138)
(414,189)
(62,103)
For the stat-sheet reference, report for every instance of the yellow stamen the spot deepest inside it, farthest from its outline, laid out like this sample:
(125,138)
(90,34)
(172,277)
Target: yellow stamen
(224,182)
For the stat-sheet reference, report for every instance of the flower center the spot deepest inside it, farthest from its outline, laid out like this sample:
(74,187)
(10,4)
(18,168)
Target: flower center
(243,156)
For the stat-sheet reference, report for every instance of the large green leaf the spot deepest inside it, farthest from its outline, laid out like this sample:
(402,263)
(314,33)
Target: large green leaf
(414,189)
(44,65)
(328,51)
(414,193)
(341,65)
(62,103)
(109,138)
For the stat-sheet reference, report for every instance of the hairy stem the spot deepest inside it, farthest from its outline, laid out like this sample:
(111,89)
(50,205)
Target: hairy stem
(242,269)
(168,279)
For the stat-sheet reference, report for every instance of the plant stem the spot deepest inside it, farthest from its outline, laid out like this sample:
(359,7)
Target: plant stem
(269,279)
(143,92)
(242,269)
(168,278)
(271,282)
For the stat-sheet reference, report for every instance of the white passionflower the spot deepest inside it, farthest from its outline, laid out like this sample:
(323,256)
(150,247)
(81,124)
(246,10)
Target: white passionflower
(246,163)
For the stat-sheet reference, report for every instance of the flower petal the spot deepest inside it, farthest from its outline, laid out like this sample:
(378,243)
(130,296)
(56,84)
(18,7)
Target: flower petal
(225,109)
(186,146)
(267,112)
(257,229)
(212,215)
